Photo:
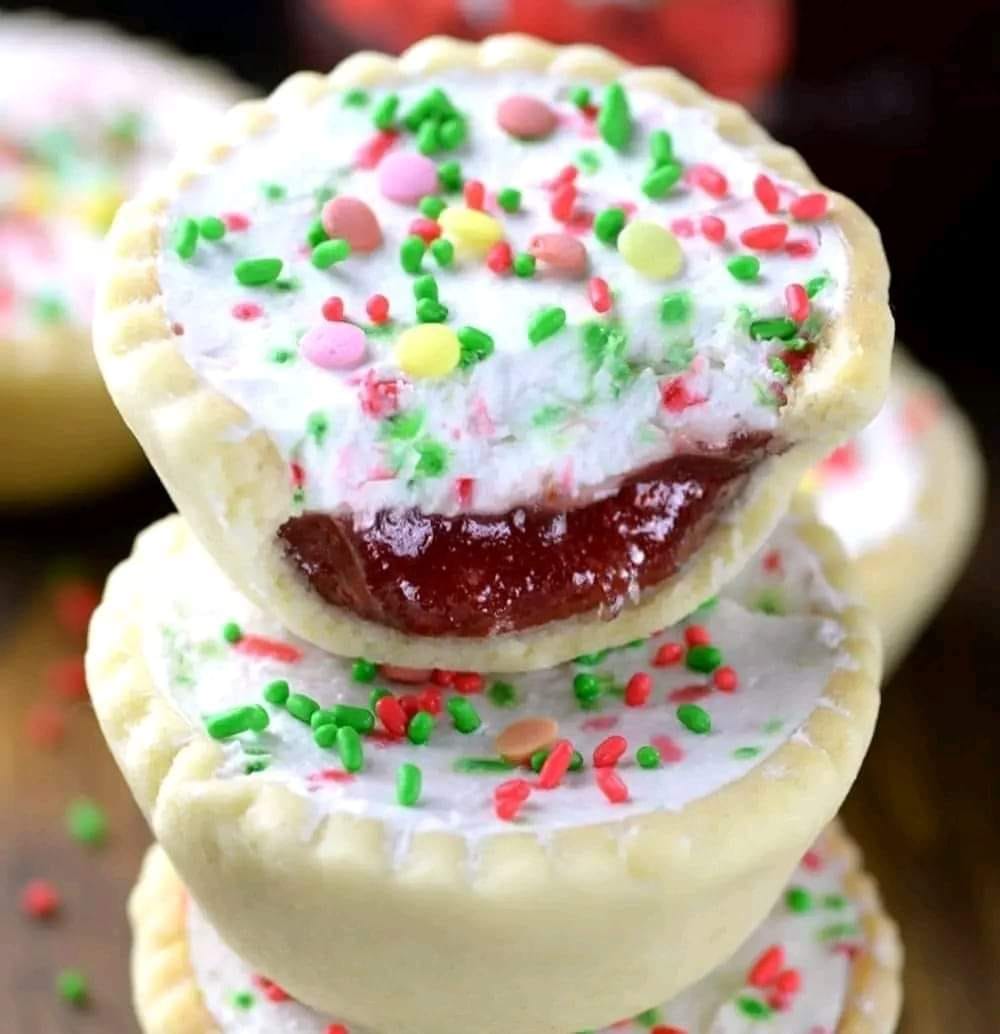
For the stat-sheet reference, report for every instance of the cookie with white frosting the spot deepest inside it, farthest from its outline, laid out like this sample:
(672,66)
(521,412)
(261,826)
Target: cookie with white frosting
(313,803)
(906,499)
(497,352)
(826,959)
(85,114)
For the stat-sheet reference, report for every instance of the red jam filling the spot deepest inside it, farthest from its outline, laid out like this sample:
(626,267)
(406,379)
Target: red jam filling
(476,575)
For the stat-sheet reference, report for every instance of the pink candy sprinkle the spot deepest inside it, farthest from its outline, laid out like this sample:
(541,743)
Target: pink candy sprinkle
(350,219)
(406,177)
(335,346)
(247,311)
(682,228)
(526,117)
(560,252)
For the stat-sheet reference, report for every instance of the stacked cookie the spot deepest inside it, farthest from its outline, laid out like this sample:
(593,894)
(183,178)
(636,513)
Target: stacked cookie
(487,681)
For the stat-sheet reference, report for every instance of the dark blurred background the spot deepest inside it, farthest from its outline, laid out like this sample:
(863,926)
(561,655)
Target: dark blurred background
(897,105)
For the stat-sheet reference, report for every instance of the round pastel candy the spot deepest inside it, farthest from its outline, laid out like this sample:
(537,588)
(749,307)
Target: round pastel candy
(428,350)
(350,219)
(334,346)
(561,252)
(526,117)
(407,177)
(470,230)
(651,249)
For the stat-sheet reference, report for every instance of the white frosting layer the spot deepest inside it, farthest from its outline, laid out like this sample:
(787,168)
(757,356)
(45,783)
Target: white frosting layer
(869,490)
(85,115)
(816,943)
(782,664)
(530,421)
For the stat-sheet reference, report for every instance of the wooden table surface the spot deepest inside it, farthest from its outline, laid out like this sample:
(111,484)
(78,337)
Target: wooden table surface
(924,808)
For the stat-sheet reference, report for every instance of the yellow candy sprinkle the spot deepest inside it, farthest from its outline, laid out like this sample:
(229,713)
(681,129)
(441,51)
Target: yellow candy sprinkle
(96,209)
(471,231)
(429,350)
(651,250)
(810,482)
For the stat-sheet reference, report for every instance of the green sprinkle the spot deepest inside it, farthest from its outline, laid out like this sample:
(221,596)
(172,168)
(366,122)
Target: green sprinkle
(49,308)
(744,267)
(580,96)
(375,696)
(276,692)
(694,718)
(443,252)
(282,355)
(548,415)
(258,765)
(464,716)
(502,694)
(524,265)
(475,344)
(360,719)
(676,308)
(364,671)
(474,765)
(300,706)
(614,122)
(661,147)
(704,659)
(609,224)
(355,98)
(411,254)
(798,900)
(425,287)
(838,932)
(648,757)
(420,728)
(71,986)
(384,115)
(432,458)
(330,252)
(836,902)
(257,272)
(766,330)
(662,180)
(126,128)
(273,191)
(349,748)
(185,238)
(769,602)
(409,782)
(431,206)
(450,176)
(589,660)
(288,283)
(586,688)
(316,234)
(86,822)
(322,716)
(402,427)
(707,606)
(452,133)
(428,142)
(779,367)
(212,228)
(317,425)
(325,736)
(679,355)
(753,1007)
(746,753)
(546,323)
(649,1018)
(431,311)
(509,199)
(242,1000)
(814,286)
(225,724)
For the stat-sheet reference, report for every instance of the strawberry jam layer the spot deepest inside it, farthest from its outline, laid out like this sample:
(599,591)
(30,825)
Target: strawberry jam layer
(476,575)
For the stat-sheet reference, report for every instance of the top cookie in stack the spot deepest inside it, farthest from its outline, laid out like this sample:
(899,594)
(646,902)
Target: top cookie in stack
(491,355)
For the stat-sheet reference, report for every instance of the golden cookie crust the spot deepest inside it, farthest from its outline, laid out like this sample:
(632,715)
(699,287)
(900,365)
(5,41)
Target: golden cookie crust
(230,486)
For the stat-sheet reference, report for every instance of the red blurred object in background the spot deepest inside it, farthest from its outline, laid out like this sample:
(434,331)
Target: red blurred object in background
(734,48)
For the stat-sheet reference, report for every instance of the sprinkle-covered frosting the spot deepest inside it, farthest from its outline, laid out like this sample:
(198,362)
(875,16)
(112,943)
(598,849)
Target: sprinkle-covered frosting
(619,734)
(790,977)
(885,466)
(489,290)
(84,116)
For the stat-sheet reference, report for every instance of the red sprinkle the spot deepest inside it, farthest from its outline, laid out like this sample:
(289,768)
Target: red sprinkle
(410,703)
(331,775)
(713,229)
(337,1028)
(788,982)
(236,222)
(599,294)
(800,249)
(374,150)
(275,649)
(333,309)
(670,750)
(563,201)
(519,789)
(668,654)
(392,716)
(675,396)
(726,680)
(689,694)
(709,179)
(66,678)
(247,311)
(567,174)
(611,785)
(271,991)
(507,808)
(660,1029)
(766,193)
(556,765)
(697,635)
(797,302)
(45,726)
(39,899)
(779,1002)
(377,308)
(813,861)
(463,490)
(297,474)
(468,682)
(475,195)
(74,601)
(500,257)
(769,964)
(809,207)
(637,689)
(379,398)
(443,677)
(772,561)
(430,700)
(608,752)
(426,229)
(770,237)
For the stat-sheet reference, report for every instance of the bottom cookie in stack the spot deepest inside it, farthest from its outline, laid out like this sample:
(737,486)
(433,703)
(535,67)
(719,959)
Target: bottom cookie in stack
(826,960)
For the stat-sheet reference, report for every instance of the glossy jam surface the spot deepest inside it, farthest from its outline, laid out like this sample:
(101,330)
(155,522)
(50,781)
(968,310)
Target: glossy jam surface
(479,575)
